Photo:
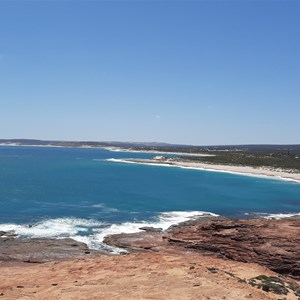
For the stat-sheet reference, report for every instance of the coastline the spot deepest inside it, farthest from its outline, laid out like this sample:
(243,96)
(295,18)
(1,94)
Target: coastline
(119,149)
(264,172)
(111,149)
(210,259)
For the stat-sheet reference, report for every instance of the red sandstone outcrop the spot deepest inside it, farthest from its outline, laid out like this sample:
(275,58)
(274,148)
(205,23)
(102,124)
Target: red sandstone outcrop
(271,243)
(204,259)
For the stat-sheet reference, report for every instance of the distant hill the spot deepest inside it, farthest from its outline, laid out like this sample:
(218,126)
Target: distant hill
(151,145)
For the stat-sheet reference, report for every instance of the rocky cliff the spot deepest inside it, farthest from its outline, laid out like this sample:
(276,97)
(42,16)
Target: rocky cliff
(271,243)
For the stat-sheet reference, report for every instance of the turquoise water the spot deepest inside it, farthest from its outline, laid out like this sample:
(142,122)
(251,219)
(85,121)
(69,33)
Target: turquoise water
(78,193)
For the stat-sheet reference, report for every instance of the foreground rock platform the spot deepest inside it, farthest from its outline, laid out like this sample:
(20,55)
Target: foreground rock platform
(155,276)
(210,259)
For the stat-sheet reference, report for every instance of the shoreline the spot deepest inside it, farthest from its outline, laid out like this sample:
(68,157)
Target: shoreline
(108,148)
(187,262)
(119,149)
(261,172)
(21,233)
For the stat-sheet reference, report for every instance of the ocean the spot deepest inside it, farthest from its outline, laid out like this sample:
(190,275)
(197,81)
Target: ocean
(80,193)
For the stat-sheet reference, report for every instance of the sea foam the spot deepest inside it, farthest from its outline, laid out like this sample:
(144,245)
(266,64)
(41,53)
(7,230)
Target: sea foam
(281,216)
(52,228)
(92,232)
(163,221)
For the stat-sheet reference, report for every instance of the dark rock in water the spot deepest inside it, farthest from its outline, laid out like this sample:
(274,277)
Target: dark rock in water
(11,234)
(139,241)
(2,233)
(150,229)
(42,250)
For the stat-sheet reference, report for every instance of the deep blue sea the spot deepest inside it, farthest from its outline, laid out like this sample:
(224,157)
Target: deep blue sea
(76,192)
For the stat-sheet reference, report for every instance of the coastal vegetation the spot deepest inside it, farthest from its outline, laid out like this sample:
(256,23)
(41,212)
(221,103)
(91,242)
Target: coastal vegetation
(285,157)
(286,160)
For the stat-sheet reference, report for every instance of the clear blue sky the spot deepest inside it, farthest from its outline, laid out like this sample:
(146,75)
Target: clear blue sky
(192,72)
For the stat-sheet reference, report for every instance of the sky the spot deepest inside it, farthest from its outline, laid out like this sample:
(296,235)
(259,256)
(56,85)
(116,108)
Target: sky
(184,72)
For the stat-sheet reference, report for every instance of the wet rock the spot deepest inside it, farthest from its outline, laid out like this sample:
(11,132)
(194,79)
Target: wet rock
(150,229)
(139,241)
(42,250)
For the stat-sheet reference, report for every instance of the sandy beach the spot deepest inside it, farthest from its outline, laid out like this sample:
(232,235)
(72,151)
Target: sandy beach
(120,149)
(241,170)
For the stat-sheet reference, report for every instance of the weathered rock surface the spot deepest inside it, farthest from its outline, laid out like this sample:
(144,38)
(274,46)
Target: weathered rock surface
(151,229)
(213,268)
(139,241)
(41,250)
(160,276)
(271,243)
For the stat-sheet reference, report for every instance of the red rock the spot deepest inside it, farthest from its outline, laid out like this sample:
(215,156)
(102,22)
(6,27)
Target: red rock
(271,243)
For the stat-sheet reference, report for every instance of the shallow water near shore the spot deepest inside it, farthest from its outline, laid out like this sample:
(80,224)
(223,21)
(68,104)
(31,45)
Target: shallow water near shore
(78,193)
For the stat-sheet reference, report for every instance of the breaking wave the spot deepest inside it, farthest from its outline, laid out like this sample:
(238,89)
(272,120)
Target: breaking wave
(92,232)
